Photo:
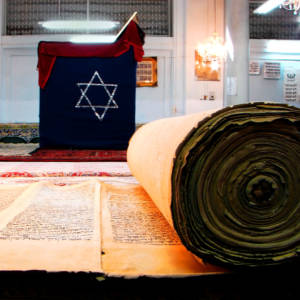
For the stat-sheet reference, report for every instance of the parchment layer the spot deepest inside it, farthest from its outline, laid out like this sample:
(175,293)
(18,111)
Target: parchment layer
(228,182)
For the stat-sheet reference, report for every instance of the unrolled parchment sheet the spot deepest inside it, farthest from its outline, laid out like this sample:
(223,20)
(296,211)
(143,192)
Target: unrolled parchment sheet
(137,240)
(49,227)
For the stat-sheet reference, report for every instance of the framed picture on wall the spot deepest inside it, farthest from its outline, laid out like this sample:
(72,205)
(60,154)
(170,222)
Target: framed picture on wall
(254,68)
(290,87)
(146,73)
(272,70)
(207,70)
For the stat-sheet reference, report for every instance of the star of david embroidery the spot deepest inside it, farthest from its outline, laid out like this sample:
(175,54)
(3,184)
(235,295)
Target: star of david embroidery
(85,102)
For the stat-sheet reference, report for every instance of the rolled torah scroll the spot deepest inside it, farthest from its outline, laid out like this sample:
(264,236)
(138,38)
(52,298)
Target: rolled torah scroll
(228,181)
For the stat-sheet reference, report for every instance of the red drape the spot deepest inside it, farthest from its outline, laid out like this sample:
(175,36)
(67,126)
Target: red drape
(48,51)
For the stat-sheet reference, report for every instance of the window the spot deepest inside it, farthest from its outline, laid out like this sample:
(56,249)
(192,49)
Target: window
(279,24)
(22,17)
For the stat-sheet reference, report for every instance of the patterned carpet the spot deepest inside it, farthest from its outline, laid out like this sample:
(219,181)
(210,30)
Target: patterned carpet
(32,152)
(21,149)
(63,169)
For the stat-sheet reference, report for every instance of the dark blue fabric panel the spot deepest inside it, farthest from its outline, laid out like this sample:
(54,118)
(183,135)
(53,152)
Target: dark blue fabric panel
(89,103)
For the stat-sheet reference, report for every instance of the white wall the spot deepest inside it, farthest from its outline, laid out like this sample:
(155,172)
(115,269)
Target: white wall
(286,53)
(168,98)
(177,92)
(199,26)
(237,63)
